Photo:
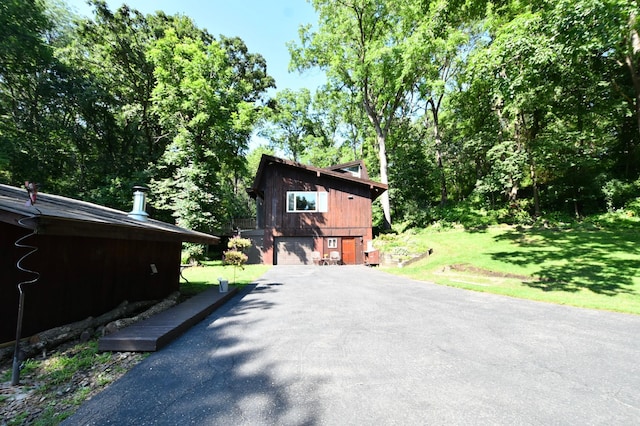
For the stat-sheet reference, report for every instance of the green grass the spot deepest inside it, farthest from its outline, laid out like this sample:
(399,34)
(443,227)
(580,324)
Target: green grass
(204,276)
(50,379)
(60,369)
(586,268)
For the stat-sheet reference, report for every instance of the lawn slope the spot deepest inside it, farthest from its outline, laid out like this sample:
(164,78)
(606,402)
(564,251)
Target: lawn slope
(586,268)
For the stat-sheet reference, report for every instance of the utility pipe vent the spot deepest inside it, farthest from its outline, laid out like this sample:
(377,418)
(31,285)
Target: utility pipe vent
(139,203)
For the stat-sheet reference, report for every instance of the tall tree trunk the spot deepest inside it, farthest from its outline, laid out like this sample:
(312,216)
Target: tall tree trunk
(384,178)
(513,190)
(514,180)
(435,106)
(576,195)
(381,137)
(531,135)
(631,64)
(536,192)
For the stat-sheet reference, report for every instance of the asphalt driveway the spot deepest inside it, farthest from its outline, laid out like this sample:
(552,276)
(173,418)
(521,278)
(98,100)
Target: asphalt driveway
(350,345)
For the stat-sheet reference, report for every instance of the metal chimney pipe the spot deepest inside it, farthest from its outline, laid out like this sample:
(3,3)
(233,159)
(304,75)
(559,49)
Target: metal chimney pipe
(139,203)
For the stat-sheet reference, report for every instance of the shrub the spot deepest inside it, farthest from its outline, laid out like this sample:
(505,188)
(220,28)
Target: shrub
(238,243)
(633,207)
(235,258)
(235,255)
(191,253)
(617,193)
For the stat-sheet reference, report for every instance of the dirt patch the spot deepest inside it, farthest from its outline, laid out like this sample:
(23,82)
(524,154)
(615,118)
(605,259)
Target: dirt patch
(485,272)
(40,399)
(54,383)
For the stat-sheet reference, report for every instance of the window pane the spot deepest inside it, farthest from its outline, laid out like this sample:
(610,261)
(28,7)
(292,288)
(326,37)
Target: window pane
(323,202)
(290,201)
(306,201)
(302,201)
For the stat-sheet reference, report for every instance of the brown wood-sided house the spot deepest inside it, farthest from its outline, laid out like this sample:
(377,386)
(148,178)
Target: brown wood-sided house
(89,259)
(304,209)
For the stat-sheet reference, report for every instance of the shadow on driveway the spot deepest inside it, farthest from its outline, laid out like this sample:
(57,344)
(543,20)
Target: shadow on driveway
(354,345)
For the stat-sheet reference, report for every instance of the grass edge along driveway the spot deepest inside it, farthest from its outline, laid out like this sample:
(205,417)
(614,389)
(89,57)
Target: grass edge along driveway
(596,269)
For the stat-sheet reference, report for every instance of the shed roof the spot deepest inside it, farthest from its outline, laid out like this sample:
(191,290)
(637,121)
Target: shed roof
(333,172)
(57,215)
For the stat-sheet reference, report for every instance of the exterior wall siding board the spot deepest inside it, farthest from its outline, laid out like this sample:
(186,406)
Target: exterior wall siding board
(256,253)
(80,277)
(349,210)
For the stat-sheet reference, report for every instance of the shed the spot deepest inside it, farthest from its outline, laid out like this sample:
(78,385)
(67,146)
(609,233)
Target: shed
(89,259)
(304,210)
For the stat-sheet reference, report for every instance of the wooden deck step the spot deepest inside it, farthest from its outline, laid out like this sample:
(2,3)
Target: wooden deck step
(155,332)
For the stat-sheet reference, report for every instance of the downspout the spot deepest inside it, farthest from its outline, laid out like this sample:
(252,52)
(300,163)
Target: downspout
(32,190)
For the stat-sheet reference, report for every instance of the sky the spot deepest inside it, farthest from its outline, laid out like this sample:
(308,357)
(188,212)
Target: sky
(264,25)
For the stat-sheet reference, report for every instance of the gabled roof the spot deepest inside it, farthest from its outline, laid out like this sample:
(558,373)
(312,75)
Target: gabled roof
(333,172)
(57,215)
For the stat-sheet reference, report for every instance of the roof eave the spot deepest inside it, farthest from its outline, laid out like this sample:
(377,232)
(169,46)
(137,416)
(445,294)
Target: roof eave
(68,227)
(267,159)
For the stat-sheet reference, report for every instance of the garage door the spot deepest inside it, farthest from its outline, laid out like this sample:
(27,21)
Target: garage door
(293,250)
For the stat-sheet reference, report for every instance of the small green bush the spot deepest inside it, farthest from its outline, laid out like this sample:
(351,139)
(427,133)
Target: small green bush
(235,258)
(191,253)
(235,255)
(633,207)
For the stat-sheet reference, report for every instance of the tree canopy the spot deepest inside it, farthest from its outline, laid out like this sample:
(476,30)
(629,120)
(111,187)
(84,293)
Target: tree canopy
(528,107)
(96,105)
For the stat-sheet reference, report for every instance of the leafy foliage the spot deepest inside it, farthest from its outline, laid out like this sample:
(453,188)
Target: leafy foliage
(520,109)
(125,98)
(235,256)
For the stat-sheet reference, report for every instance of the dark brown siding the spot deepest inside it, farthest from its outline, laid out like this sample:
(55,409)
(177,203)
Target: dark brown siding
(349,209)
(80,277)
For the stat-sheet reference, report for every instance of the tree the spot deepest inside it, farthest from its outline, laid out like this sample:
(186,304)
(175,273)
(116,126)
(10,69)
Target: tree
(534,104)
(25,59)
(524,60)
(235,255)
(540,102)
(86,112)
(389,56)
(208,113)
(600,38)
(360,44)
(121,133)
(287,124)
(412,194)
(300,127)
(440,39)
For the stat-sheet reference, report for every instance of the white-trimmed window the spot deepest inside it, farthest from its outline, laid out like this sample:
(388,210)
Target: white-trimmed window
(307,202)
(332,243)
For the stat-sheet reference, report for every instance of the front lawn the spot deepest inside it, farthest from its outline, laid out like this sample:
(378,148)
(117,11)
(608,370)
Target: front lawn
(586,268)
(206,275)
